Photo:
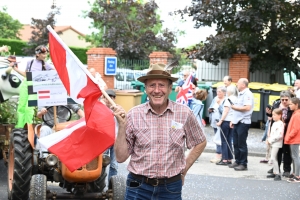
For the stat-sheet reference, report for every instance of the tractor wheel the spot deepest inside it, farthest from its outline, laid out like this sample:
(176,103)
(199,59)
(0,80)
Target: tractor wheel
(99,184)
(118,187)
(38,187)
(19,165)
(1,154)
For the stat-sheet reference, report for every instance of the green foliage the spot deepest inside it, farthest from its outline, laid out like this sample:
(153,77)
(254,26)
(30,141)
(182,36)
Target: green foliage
(40,31)
(133,29)
(266,30)
(5,51)
(9,27)
(80,53)
(8,112)
(15,45)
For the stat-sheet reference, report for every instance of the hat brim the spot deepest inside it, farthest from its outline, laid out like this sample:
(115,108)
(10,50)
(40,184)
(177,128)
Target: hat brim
(156,76)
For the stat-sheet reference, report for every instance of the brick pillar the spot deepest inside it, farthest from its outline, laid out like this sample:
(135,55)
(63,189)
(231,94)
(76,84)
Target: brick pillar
(239,67)
(96,59)
(160,57)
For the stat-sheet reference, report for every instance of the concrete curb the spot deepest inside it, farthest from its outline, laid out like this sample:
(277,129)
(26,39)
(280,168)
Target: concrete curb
(255,154)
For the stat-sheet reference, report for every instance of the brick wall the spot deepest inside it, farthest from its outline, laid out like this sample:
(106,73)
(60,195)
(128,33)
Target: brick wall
(239,67)
(96,59)
(160,57)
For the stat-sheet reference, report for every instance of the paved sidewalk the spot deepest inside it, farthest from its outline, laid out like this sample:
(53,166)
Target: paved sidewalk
(255,146)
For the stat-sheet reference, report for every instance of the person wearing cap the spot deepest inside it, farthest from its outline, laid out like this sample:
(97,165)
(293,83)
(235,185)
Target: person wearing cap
(25,113)
(154,135)
(113,167)
(37,64)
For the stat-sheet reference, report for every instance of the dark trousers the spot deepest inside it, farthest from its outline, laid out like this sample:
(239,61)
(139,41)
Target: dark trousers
(287,158)
(240,134)
(226,148)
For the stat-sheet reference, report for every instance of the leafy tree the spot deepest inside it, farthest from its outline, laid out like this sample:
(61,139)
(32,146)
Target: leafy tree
(9,27)
(40,31)
(133,29)
(267,30)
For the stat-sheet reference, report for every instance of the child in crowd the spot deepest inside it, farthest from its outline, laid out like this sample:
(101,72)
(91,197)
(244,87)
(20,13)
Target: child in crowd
(292,138)
(275,139)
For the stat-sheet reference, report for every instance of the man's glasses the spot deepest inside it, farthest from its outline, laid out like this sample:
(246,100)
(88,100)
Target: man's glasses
(284,99)
(113,97)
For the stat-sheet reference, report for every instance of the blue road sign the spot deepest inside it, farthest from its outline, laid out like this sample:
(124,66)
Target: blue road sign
(110,66)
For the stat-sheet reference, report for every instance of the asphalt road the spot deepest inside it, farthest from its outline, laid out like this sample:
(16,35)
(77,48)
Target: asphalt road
(208,181)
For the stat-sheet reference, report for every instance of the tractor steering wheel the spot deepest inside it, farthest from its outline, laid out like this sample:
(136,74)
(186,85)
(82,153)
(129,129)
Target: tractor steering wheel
(63,114)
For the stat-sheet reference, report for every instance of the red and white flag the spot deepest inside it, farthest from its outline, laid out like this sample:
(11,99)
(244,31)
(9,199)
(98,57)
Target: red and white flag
(43,94)
(186,92)
(85,139)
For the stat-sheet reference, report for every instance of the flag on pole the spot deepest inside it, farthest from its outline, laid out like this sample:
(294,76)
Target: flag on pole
(186,92)
(85,139)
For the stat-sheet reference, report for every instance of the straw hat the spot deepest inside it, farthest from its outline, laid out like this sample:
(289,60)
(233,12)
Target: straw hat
(157,71)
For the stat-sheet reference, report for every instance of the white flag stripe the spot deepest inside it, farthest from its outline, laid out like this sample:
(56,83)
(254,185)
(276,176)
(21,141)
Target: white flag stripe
(54,138)
(77,80)
(68,51)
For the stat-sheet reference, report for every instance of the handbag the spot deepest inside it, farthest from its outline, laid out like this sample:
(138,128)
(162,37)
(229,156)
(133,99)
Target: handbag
(217,137)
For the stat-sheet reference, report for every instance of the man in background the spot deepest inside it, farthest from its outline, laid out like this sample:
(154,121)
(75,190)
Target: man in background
(227,80)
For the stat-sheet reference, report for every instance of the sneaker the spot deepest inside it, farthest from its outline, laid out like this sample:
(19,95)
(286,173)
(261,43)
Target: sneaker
(291,176)
(233,165)
(293,180)
(223,163)
(270,171)
(271,176)
(286,174)
(241,168)
(215,160)
(277,177)
(264,161)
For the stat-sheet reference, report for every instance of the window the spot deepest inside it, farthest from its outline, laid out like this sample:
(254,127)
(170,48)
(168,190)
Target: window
(129,77)
(120,76)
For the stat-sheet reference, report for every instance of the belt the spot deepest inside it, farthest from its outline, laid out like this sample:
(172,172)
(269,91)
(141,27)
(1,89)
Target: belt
(156,181)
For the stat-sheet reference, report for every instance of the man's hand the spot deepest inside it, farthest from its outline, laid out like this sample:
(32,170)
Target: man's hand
(120,114)
(231,125)
(268,110)
(219,123)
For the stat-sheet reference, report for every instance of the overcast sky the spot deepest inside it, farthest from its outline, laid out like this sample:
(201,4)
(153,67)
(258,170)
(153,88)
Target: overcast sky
(71,10)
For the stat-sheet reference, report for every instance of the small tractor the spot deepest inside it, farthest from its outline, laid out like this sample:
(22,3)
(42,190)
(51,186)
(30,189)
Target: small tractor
(29,170)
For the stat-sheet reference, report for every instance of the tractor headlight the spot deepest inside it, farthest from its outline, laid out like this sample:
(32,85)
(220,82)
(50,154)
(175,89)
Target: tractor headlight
(51,160)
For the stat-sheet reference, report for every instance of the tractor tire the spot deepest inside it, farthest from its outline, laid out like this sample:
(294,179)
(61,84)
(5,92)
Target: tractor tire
(99,184)
(19,165)
(118,187)
(38,187)
(1,154)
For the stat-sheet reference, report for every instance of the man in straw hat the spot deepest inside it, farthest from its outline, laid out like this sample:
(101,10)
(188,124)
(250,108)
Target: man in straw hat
(154,135)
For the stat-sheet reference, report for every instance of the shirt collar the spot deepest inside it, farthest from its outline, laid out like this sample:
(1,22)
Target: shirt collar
(242,92)
(169,107)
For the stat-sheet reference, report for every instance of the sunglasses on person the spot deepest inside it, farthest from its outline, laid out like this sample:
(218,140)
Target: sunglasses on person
(284,99)
(111,96)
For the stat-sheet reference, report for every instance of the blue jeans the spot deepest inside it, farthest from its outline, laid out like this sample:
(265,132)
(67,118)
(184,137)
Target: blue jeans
(226,153)
(139,190)
(240,134)
(218,147)
(113,166)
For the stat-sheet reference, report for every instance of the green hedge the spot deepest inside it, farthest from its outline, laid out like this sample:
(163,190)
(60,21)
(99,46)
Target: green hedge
(18,45)
(80,53)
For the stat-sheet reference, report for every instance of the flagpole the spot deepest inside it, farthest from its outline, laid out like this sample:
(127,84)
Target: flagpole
(99,81)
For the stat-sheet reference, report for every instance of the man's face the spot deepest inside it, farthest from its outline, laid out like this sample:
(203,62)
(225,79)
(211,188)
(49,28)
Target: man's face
(93,71)
(158,91)
(226,82)
(240,85)
(108,104)
(297,84)
(185,75)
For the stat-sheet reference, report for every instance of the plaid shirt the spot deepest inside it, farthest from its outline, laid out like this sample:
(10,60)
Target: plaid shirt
(156,142)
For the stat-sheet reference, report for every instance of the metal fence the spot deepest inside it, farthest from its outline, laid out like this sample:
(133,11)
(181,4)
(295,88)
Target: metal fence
(128,71)
(212,73)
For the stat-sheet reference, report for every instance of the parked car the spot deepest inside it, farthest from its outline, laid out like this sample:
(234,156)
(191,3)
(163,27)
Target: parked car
(124,77)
